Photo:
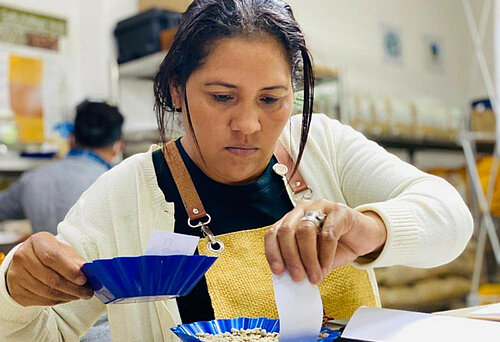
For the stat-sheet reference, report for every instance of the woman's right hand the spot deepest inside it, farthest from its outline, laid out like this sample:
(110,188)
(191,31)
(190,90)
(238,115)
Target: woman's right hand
(46,272)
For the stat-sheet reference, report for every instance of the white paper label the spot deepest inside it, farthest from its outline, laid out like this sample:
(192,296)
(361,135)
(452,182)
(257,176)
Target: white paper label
(166,243)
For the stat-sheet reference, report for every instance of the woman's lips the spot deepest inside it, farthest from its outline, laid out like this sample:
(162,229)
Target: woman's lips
(242,151)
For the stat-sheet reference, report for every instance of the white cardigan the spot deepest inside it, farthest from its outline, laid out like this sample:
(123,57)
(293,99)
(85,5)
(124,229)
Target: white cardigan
(427,222)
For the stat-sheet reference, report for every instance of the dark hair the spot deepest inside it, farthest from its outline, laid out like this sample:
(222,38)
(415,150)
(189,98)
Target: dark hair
(206,21)
(97,124)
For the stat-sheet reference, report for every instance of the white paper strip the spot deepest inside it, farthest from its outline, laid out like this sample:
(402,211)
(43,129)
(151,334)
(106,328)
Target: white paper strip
(299,307)
(166,243)
(376,324)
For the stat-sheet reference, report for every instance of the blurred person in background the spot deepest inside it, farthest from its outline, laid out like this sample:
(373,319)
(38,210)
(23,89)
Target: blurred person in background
(45,195)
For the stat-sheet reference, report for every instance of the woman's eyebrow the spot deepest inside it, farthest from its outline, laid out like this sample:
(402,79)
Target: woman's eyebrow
(228,85)
(275,87)
(219,83)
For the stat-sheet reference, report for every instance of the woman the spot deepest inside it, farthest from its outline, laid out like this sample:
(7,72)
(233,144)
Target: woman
(244,161)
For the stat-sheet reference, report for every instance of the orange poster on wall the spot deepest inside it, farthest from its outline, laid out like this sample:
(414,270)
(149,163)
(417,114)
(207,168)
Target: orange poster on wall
(26,76)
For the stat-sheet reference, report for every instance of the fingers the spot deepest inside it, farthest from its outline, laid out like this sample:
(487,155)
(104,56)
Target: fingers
(41,289)
(325,240)
(27,298)
(306,236)
(289,250)
(272,247)
(39,272)
(304,250)
(54,280)
(327,246)
(338,222)
(61,258)
(295,241)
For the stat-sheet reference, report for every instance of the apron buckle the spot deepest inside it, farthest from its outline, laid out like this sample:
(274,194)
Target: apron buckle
(305,194)
(214,245)
(201,223)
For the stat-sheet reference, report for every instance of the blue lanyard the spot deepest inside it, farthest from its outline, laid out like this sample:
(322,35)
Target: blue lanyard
(90,155)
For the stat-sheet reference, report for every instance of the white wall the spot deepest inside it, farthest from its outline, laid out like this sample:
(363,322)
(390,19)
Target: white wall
(348,34)
(90,39)
(69,10)
(474,82)
(97,20)
(136,103)
(99,46)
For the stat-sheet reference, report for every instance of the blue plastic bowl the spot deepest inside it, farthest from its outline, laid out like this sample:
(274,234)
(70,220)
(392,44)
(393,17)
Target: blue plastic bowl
(145,278)
(187,332)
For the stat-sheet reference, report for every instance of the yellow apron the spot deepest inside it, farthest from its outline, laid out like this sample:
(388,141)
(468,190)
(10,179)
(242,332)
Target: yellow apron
(240,282)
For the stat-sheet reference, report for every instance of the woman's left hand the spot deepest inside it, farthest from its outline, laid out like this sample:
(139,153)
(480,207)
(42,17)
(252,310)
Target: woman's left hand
(306,249)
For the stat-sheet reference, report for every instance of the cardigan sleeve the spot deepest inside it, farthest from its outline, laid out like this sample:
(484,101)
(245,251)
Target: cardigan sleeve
(64,322)
(428,224)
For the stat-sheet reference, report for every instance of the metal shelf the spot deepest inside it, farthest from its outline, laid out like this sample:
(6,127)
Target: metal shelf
(427,144)
(15,163)
(324,74)
(142,68)
(147,67)
(414,145)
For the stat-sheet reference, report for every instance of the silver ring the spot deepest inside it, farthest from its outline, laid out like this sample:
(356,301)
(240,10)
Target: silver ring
(212,246)
(315,217)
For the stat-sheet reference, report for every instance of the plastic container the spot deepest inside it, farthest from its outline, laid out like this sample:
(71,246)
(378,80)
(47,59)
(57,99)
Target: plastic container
(482,116)
(139,35)
(146,278)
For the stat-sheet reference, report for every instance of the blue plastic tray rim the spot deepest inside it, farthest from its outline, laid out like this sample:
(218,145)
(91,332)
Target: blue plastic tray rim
(187,332)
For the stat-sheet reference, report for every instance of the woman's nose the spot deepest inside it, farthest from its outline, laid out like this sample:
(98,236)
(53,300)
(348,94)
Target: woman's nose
(246,120)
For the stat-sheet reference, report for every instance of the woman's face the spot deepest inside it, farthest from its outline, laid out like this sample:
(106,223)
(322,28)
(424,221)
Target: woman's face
(239,101)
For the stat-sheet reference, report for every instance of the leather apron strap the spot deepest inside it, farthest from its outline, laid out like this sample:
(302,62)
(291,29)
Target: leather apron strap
(297,182)
(189,195)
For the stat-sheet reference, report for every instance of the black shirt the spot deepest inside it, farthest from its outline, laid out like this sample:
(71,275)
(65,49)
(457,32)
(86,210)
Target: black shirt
(232,208)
